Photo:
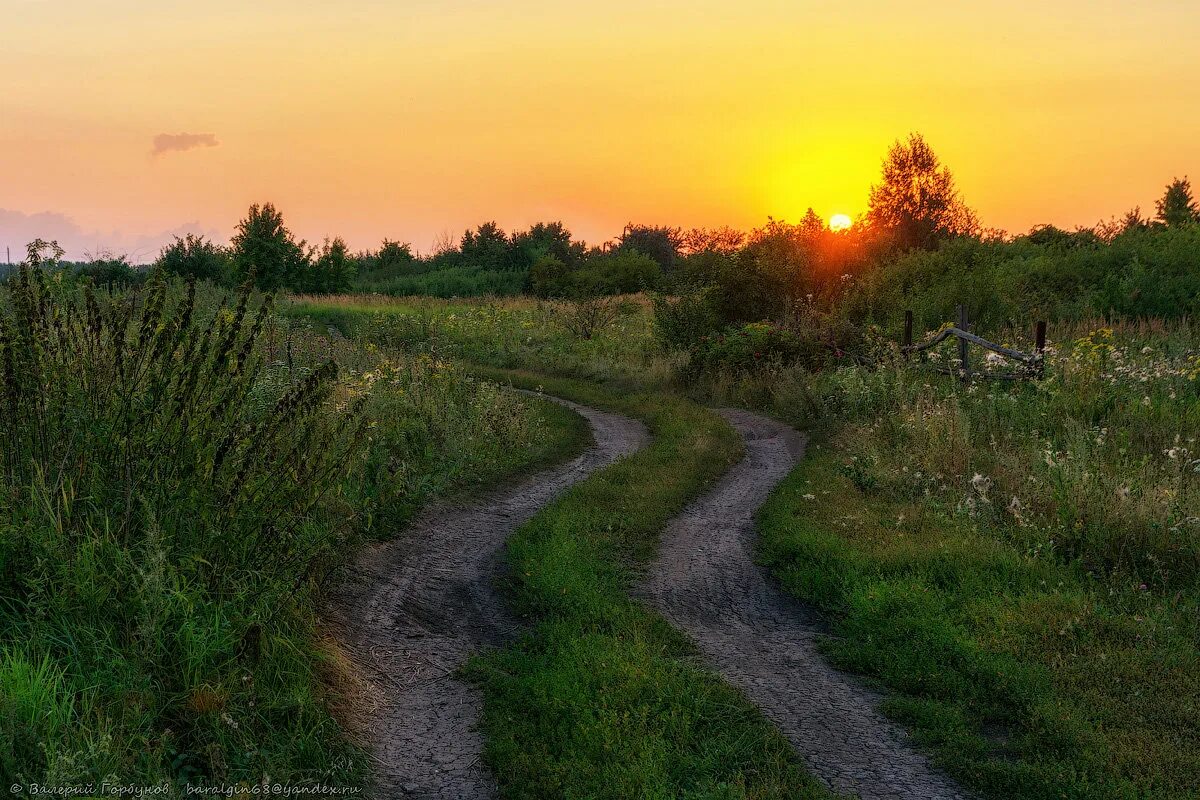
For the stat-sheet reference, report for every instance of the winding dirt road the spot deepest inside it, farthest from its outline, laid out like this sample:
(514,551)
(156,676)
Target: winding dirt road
(415,608)
(763,641)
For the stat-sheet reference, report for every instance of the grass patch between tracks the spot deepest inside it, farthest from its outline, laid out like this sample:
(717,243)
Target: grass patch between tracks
(602,698)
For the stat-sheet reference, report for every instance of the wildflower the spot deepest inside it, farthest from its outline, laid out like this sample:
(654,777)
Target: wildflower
(810,497)
(1123,492)
(1017,510)
(981,484)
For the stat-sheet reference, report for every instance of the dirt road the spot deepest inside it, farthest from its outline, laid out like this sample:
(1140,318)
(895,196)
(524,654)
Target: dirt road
(763,641)
(415,608)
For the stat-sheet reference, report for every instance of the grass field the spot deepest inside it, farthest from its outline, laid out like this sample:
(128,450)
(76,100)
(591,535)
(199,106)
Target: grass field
(1016,561)
(157,621)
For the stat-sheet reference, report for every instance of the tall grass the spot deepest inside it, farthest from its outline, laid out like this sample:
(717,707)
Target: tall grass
(1018,562)
(159,512)
(179,473)
(515,334)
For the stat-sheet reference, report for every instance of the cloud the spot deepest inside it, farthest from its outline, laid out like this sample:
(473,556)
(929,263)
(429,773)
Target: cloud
(179,142)
(18,229)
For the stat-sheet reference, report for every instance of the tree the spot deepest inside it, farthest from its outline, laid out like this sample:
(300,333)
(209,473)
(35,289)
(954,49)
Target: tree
(1133,221)
(196,257)
(332,270)
(544,239)
(725,241)
(394,257)
(486,248)
(659,242)
(1177,206)
(917,200)
(265,247)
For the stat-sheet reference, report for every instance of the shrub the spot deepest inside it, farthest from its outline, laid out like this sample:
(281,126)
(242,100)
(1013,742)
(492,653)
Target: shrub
(747,348)
(606,274)
(195,257)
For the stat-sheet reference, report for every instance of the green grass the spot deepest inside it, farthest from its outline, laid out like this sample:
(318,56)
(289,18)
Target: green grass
(178,475)
(601,698)
(1027,677)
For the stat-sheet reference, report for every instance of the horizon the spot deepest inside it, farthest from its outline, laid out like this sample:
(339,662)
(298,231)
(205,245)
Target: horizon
(408,121)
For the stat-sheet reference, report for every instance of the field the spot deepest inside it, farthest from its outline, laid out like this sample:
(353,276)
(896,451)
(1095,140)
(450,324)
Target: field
(1013,563)
(1016,560)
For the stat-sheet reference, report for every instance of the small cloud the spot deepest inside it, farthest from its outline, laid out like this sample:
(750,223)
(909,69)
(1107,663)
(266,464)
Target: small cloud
(178,142)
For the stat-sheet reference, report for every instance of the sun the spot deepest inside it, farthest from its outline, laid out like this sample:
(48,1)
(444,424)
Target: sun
(840,222)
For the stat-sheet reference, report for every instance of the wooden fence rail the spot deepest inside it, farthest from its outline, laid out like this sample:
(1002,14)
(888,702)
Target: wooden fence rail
(1033,364)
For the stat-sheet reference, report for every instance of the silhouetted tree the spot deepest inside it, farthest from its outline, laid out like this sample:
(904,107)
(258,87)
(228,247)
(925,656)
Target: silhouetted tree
(1133,220)
(485,248)
(1177,206)
(394,256)
(917,200)
(724,240)
(330,272)
(659,242)
(544,239)
(195,256)
(265,246)
(811,225)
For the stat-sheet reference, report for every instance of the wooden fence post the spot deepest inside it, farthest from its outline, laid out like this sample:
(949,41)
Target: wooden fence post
(963,324)
(1039,347)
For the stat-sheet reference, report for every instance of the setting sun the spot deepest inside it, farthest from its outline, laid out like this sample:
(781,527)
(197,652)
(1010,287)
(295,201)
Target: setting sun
(840,222)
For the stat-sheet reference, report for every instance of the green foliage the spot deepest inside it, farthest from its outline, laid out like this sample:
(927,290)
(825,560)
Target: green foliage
(486,248)
(750,347)
(1049,274)
(1177,205)
(916,201)
(195,257)
(263,247)
(1018,563)
(660,243)
(549,277)
(686,318)
(620,272)
(451,282)
(542,240)
(160,527)
(331,272)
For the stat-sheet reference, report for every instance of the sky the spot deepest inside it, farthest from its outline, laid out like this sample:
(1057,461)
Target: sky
(123,122)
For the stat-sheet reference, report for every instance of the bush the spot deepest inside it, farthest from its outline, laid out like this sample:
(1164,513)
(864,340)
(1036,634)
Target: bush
(747,348)
(195,257)
(600,275)
(680,321)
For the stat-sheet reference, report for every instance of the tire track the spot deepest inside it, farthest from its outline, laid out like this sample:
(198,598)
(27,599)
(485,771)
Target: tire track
(763,641)
(413,609)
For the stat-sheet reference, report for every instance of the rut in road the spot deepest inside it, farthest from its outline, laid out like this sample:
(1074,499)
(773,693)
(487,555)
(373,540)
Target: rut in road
(415,608)
(706,582)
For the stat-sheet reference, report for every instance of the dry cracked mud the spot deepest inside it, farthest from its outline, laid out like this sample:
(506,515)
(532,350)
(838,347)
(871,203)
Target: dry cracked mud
(413,609)
(706,582)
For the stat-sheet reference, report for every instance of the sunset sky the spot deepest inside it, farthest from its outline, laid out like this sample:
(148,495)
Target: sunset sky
(412,117)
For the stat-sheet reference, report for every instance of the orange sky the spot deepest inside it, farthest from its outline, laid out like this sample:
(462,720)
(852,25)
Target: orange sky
(407,118)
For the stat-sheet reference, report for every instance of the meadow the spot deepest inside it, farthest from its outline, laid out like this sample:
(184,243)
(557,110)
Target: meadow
(192,454)
(1016,561)
(184,472)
